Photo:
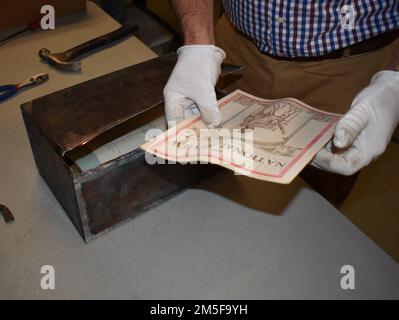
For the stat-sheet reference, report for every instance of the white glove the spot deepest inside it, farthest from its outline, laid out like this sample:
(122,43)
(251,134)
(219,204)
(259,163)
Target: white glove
(191,85)
(365,131)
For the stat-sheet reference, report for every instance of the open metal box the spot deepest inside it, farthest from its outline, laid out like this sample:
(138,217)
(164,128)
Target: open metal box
(101,198)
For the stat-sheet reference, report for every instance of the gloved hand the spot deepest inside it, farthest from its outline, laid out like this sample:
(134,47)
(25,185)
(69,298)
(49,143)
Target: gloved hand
(191,86)
(365,131)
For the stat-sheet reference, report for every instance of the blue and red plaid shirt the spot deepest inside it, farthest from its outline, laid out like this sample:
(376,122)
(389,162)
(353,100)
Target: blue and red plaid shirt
(305,28)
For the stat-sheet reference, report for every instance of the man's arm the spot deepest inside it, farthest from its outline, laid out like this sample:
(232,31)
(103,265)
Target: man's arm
(191,86)
(196,19)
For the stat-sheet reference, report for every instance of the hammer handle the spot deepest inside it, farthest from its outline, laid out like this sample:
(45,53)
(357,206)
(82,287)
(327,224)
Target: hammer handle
(103,40)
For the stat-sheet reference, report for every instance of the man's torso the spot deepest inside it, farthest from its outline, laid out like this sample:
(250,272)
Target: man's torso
(305,28)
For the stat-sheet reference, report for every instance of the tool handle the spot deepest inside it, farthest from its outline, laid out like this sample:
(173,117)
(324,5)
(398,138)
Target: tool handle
(103,40)
(7,91)
(35,24)
(8,217)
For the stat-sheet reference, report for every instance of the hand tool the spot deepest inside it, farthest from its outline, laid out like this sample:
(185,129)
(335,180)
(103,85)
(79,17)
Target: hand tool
(33,25)
(8,217)
(65,60)
(9,90)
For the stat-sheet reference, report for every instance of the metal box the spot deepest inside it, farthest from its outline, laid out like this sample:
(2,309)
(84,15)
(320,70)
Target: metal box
(100,199)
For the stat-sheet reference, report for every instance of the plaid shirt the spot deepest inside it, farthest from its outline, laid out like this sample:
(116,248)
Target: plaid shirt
(304,28)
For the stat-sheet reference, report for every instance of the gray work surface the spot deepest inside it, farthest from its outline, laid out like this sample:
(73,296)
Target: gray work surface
(230,237)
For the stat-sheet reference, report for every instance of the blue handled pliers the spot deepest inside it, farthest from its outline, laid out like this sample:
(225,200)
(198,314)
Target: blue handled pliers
(9,90)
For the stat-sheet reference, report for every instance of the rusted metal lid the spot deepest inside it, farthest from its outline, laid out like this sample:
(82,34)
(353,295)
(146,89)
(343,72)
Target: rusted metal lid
(74,116)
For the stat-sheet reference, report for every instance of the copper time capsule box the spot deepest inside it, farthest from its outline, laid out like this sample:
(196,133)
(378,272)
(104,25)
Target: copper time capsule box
(60,125)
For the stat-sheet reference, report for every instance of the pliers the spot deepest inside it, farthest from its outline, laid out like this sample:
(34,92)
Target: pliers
(9,90)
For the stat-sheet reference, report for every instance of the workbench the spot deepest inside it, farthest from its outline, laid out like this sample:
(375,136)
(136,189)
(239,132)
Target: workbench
(230,237)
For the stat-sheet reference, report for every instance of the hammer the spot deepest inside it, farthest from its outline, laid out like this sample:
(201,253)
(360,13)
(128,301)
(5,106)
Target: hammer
(66,60)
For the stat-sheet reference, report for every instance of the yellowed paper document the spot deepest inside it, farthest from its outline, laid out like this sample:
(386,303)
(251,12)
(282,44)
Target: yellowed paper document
(270,140)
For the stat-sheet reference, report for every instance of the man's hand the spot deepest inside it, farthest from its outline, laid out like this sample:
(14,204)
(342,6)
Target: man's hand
(365,131)
(191,87)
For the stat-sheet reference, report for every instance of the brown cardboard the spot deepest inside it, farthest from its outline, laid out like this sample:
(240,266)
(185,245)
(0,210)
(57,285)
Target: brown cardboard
(18,13)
